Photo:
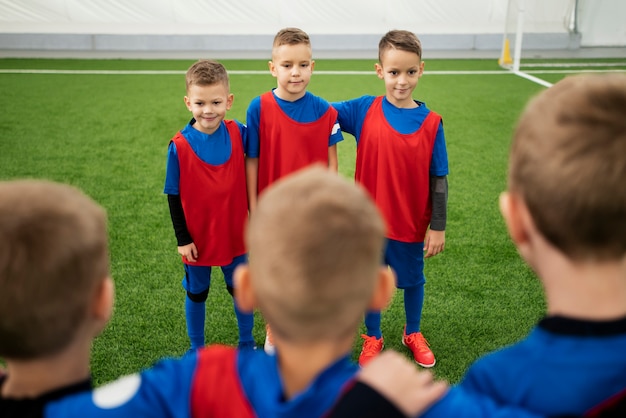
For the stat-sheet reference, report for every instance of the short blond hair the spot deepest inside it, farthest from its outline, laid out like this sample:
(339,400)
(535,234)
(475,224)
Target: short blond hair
(315,245)
(206,73)
(402,40)
(290,36)
(53,255)
(568,162)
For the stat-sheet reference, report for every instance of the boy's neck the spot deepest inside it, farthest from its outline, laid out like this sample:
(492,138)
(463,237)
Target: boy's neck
(588,290)
(288,97)
(33,378)
(300,364)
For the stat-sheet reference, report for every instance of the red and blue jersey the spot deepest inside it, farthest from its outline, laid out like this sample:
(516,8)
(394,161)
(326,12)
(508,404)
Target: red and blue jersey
(215,381)
(287,136)
(397,151)
(213,193)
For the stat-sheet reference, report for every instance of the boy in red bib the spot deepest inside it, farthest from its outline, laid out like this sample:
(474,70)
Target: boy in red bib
(206,189)
(288,127)
(402,161)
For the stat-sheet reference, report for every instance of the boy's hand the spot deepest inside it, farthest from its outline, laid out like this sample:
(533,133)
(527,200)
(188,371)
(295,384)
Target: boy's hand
(434,242)
(189,251)
(396,378)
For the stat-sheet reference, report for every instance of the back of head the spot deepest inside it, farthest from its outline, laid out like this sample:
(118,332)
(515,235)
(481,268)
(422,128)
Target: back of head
(402,40)
(568,162)
(315,243)
(206,73)
(53,254)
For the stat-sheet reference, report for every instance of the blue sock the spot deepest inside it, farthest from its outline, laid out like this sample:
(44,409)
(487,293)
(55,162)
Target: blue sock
(195,313)
(413,303)
(245,321)
(372,323)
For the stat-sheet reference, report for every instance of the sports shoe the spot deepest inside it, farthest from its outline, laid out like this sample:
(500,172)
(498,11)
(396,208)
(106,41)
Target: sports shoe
(269,342)
(419,347)
(371,347)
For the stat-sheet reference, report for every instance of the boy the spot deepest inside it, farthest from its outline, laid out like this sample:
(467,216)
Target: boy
(205,185)
(565,210)
(402,161)
(56,295)
(288,127)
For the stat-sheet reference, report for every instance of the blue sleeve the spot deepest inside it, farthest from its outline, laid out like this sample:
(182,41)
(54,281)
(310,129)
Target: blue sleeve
(351,114)
(243,130)
(336,135)
(253,117)
(459,403)
(172,171)
(439,160)
(163,391)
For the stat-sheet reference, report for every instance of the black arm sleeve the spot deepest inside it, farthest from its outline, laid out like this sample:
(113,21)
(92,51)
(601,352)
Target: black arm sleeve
(364,402)
(183,237)
(439,193)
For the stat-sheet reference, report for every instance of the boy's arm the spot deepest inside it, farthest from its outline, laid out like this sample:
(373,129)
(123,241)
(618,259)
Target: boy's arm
(252,174)
(389,386)
(186,247)
(436,235)
(333,162)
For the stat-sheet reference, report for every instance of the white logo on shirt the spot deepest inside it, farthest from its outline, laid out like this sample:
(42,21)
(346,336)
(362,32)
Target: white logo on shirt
(117,393)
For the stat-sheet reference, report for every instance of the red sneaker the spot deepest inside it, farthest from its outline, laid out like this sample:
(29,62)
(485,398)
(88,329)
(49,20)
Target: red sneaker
(371,347)
(419,347)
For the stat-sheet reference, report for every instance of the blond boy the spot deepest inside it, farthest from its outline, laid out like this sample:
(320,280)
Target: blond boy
(56,294)
(565,210)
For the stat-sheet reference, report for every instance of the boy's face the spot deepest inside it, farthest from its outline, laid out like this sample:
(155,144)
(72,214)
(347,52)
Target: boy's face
(208,105)
(292,66)
(400,70)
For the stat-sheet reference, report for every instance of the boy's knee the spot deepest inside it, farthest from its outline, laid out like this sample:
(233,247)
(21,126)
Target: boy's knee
(198,297)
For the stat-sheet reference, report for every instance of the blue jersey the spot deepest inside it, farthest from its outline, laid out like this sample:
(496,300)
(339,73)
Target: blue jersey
(307,109)
(563,367)
(246,380)
(405,121)
(214,149)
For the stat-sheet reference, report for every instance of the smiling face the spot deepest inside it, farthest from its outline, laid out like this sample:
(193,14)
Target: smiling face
(401,71)
(208,105)
(292,66)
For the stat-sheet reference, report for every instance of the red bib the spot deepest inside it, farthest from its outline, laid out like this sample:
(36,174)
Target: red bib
(395,169)
(215,201)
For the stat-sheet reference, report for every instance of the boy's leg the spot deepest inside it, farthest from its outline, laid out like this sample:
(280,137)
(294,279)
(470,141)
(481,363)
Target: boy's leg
(373,341)
(197,282)
(245,321)
(413,303)
(407,261)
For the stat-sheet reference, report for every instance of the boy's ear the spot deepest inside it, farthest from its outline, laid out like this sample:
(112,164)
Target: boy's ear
(244,294)
(379,70)
(384,289)
(229,101)
(103,301)
(272,67)
(518,221)
(187,102)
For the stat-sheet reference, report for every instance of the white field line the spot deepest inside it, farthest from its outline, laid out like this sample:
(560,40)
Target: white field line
(532,78)
(265,72)
(574,64)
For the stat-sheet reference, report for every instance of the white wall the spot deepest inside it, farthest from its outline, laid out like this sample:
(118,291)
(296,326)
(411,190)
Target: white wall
(267,16)
(229,24)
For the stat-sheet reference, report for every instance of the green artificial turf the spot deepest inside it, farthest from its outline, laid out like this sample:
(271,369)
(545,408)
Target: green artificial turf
(108,135)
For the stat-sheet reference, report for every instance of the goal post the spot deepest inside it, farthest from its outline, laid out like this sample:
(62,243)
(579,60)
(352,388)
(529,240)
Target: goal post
(511,52)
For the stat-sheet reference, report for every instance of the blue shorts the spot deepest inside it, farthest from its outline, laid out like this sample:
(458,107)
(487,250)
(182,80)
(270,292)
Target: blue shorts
(198,278)
(406,259)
